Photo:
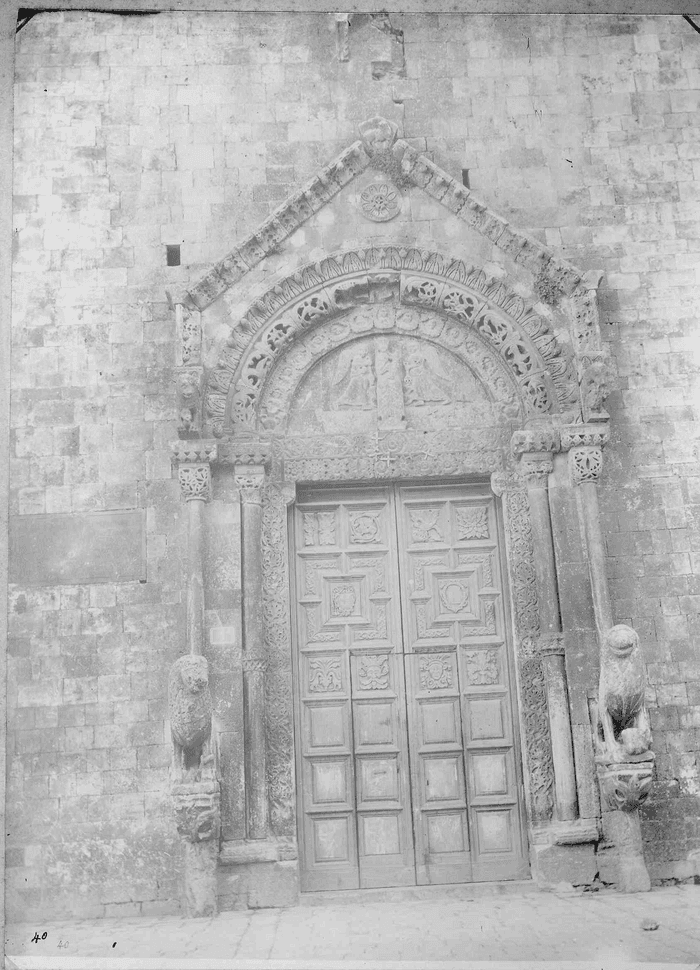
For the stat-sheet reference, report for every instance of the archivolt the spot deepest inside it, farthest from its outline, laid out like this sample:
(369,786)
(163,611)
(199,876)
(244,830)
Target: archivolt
(519,339)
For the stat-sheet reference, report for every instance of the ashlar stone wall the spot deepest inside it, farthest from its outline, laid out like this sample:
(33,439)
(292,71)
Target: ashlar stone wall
(189,129)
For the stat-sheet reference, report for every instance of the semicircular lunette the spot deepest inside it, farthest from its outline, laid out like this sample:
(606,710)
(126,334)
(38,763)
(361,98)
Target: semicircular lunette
(544,371)
(382,368)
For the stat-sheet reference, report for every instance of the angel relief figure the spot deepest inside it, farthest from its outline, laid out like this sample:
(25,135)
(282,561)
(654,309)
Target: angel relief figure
(360,391)
(422,384)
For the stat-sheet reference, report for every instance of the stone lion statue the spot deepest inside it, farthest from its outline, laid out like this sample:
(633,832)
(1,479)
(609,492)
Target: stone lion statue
(621,705)
(190,709)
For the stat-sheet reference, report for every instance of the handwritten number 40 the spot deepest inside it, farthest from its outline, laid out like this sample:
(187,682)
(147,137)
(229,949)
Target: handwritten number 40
(36,937)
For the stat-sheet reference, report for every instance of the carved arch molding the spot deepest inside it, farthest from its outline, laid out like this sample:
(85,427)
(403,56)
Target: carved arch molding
(534,380)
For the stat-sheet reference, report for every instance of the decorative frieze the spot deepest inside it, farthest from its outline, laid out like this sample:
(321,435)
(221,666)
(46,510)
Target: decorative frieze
(584,435)
(535,440)
(194,451)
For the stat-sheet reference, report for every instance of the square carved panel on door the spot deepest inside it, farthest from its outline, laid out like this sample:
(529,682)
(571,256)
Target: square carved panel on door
(327,725)
(375,723)
(329,782)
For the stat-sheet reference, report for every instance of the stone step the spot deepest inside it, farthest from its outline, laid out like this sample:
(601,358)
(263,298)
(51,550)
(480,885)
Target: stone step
(397,894)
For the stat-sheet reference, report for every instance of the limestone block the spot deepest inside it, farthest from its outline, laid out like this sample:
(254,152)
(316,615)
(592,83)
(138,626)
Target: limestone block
(552,864)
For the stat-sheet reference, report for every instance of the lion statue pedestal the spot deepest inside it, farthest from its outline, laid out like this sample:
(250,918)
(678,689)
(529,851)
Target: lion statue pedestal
(623,756)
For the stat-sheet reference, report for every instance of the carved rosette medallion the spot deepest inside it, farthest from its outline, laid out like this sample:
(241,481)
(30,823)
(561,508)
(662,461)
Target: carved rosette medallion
(380,201)
(343,600)
(472,523)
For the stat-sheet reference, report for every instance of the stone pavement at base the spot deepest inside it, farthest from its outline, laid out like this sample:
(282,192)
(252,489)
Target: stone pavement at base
(601,930)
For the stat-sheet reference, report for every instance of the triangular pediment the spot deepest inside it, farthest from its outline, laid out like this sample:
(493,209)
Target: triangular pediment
(380,149)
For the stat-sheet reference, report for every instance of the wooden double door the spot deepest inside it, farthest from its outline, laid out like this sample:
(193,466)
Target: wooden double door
(407,767)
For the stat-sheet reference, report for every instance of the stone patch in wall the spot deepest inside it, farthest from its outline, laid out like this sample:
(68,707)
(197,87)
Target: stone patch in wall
(94,547)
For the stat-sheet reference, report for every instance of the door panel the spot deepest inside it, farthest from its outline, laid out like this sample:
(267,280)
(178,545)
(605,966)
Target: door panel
(401,651)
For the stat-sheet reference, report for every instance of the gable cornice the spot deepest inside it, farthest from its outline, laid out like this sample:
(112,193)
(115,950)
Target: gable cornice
(381,149)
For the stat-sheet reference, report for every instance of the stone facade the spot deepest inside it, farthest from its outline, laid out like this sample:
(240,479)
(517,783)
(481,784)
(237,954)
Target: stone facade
(192,130)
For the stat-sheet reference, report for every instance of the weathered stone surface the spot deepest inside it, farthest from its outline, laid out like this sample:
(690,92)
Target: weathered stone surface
(575,864)
(104,547)
(159,149)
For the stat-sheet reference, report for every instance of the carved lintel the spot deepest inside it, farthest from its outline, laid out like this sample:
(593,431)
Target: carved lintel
(584,435)
(535,469)
(585,465)
(194,452)
(535,440)
(551,644)
(197,807)
(626,786)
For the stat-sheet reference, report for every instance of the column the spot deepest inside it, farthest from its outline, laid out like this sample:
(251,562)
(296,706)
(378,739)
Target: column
(624,760)
(250,478)
(195,785)
(585,445)
(535,468)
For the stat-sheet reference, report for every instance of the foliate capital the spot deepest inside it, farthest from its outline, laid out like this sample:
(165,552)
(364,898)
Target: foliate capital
(502,482)
(195,482)
(535,469)
(585,465)
(193,459)
(249,482)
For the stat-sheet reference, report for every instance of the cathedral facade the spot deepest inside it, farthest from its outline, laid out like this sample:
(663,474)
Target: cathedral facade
(354,461)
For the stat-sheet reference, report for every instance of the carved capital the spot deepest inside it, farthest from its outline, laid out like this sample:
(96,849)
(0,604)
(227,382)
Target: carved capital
(585,465)
(502,482)
(624,787)
(551,644)
(535,440)
(584,435)
(195,482)
(535,469)
(250,483)
(197,810)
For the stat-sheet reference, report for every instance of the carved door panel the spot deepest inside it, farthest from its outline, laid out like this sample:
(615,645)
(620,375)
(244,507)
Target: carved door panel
(352,761)
(466,805)
(406,759)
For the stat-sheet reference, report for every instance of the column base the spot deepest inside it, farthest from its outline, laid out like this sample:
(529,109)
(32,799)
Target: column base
(552,864)
(258,885)
(199,877)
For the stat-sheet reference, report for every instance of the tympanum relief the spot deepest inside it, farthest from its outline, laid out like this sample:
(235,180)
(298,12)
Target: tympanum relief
(381,381)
